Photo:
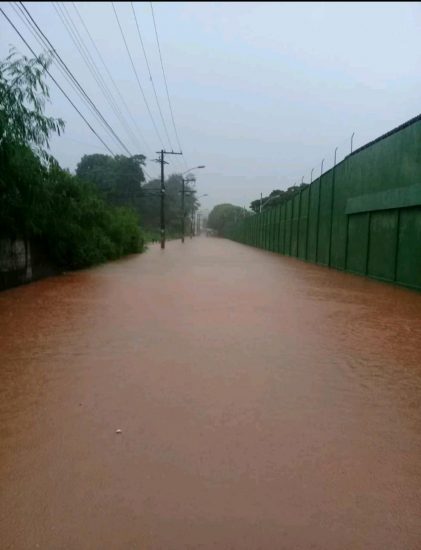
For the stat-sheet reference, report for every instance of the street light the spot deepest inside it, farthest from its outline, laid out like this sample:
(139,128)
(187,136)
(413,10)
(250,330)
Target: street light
(194,168)
(193,218)
(269,199)
(183,213)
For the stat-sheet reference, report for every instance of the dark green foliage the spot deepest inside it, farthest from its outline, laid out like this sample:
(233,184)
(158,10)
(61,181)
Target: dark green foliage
(82,229)
(22,178)
(119,181)
(23,94)
(118,178)
(150,210)
(39,200)
(223,216)
(277,197)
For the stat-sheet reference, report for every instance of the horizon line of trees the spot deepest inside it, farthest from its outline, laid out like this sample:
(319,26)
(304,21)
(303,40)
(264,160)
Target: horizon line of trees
(121,181)
(224,216)
(277,197)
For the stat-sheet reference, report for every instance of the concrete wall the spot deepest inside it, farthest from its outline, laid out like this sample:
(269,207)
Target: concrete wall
(15,263)
(22,262)
(362,216)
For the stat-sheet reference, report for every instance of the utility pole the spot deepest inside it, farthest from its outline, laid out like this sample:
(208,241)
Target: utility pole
(183,209)
(183,213)
(183,191)
(162,161)
(192,222)
(198,221)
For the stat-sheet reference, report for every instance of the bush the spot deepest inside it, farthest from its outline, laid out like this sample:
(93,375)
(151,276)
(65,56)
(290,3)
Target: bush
(82,229)
(38,199)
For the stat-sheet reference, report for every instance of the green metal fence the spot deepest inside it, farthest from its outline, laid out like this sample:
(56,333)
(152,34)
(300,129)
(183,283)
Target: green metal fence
(362,216)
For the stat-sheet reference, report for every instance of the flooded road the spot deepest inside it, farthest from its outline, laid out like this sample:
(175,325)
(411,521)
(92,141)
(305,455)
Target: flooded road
(264,403)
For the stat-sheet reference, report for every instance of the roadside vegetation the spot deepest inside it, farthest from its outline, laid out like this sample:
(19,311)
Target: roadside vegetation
(224,216)
(277,196)
(103,211)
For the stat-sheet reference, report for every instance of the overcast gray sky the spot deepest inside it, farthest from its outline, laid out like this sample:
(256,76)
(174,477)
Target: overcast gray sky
(261,92)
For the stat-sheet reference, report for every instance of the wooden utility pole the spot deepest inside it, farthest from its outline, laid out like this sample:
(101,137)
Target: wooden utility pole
(183,213)
(162,161)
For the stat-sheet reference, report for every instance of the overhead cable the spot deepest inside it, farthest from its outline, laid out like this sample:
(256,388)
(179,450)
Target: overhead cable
(136,75)
(165,81)
(57,84)
(77,83)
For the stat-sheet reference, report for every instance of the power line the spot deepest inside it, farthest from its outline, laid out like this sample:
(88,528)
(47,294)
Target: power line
(76,82)
(77,39)
(44,44)
(111,78)
(136,75)
(165,81)
(150,77)
(58,85)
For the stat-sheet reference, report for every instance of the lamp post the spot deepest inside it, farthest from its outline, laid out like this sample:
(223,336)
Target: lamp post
(262,205)
(183,213)
(194,221)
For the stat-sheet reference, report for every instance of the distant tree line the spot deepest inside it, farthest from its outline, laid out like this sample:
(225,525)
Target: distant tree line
(223,216)
(277,196)
(120,181)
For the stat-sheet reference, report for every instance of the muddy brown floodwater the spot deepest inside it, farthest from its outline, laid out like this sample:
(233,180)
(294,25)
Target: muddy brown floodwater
(264,403)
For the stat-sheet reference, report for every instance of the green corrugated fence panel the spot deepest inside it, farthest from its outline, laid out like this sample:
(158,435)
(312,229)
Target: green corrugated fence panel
(271,231)
(357,242)
(376,188)
(382,247)
(340,221)
(275,228)
(409,252)
(294,225)
(282,230)
(302,231)
(278,225)
(385,200)
(288,217)
(267,229)
(324,220)
(313,221)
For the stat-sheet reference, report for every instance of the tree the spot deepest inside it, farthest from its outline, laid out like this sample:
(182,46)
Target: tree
(38,199)
(23,94)
(225,215)
(80,228)
(150,210)
(280,197)
(24,139)
(118,178)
